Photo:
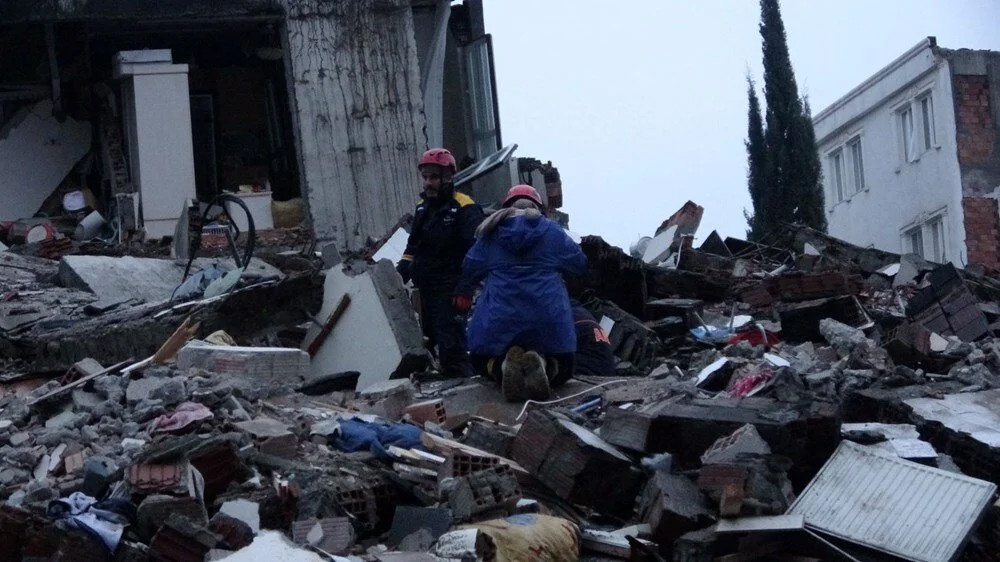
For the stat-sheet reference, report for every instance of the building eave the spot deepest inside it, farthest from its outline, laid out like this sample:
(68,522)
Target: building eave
(926,43)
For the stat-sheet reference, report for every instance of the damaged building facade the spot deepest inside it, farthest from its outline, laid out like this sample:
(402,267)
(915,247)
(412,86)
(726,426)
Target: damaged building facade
(311,111)
(911,157)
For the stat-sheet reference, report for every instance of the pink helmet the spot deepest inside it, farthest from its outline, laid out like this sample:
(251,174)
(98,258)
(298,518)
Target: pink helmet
(439,157)
(522,192)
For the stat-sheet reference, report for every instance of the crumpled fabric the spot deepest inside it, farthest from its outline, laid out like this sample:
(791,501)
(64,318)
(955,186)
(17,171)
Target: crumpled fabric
(184,415)
(356,435)
(100,519)
(195,285)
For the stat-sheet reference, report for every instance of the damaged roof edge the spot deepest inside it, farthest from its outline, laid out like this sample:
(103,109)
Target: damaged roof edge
(929,42)
(32,11)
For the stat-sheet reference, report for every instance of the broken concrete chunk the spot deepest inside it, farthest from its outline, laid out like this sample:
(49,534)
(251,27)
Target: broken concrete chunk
(262,427)
(334,535)
(143,279)
(19,439)
(268,370)
(244,510)
(672,505)
(380,317)
(274,546)
(154,511)
(841,336)
(153,388)
(88,401)
(575,463)
(744,441)
(387,399)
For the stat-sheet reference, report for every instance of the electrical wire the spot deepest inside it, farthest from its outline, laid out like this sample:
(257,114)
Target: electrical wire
(251,236)
(556,401)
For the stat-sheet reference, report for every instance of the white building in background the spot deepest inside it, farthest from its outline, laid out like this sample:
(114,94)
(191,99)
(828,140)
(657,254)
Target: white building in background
(902,173)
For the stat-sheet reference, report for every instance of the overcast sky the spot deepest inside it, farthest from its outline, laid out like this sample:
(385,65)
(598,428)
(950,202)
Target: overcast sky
(642,104)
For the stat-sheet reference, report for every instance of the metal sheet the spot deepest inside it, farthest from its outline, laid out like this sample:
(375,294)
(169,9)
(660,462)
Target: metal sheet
(771,523)
(893,505)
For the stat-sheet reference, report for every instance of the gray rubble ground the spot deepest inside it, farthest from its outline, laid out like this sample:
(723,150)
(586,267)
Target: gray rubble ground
(267,457)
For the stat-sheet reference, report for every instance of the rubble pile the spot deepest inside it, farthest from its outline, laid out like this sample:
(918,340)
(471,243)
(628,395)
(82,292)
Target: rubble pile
(801,399)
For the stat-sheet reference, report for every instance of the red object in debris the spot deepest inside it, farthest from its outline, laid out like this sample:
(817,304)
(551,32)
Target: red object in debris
(186,414)
(756,336)
(747,384)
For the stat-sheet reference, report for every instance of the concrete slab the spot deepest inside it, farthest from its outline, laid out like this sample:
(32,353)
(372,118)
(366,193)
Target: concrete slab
(471,395)
(976,414)
(244,510)
(659,247)
(394,247)
(377,335)
(266,370)
(145,279)
(272,545)
(36,153)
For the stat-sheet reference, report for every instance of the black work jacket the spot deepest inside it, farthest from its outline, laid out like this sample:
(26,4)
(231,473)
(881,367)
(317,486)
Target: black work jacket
(444,228)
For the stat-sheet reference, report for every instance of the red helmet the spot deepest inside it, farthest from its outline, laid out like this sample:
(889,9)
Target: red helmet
(522,192)
(439,157)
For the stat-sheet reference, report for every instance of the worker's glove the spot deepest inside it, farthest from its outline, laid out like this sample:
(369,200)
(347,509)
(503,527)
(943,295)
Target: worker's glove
(403,268)
(462,303)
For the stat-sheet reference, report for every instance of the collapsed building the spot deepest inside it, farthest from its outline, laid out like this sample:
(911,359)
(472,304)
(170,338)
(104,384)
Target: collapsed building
(267,395)
(803,398)
(315,110)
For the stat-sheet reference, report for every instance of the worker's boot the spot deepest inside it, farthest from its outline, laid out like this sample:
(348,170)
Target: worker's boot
(524,376)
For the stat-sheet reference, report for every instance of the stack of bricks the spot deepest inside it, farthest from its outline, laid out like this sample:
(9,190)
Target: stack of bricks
(429,411)
(946,306)
(982,230)
(976,129)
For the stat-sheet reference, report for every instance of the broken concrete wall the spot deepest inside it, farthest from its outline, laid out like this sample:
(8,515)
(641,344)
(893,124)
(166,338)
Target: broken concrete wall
(36,153)
(377,335)
(975,81)
(355,86)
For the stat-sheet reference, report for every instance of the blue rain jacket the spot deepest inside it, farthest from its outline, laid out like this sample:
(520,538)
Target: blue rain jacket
(524,301)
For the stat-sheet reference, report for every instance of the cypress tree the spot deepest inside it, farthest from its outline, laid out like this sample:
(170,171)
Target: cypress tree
(791,190)
(756,163)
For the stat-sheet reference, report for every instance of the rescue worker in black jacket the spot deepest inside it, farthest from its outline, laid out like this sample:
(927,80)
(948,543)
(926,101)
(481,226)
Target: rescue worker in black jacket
(444,228)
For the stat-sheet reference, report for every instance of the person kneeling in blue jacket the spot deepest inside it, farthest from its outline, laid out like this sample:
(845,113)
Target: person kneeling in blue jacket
(522,333)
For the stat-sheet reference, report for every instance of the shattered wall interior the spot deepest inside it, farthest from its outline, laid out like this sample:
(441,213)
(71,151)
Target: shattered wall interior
(269,119)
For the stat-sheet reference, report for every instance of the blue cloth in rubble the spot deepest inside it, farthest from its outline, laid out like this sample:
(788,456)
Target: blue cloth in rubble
(104,520)
(524,300)
(356,435)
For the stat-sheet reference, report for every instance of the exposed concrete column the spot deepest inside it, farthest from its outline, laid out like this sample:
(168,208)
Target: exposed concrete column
(355,89)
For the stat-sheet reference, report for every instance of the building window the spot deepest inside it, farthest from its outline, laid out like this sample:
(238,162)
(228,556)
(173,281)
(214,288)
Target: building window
(936,228)
(927,121)
(906,133)
(915,239)
(836,160)
(857,163)
(931,231)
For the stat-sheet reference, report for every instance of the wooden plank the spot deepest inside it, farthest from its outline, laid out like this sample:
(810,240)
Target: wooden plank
(445,446)
(314,346)
(78,383)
